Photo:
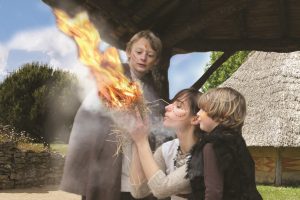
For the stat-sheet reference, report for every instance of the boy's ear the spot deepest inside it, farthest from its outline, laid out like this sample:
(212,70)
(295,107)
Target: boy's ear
(128,55)
(194,120)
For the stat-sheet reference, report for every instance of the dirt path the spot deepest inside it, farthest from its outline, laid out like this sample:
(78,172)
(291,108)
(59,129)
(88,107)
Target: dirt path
(37,193)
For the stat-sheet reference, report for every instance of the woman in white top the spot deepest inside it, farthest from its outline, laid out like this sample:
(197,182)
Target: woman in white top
(163,173)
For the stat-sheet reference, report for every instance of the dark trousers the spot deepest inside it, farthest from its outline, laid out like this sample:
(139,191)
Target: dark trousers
(127,196)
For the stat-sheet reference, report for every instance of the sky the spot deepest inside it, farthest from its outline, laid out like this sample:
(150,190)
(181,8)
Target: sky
(29,34)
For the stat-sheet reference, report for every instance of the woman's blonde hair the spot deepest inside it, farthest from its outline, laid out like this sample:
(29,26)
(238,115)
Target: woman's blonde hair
(154,41)
(225,106)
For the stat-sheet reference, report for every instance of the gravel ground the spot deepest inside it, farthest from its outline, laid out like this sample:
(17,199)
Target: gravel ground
(37,193)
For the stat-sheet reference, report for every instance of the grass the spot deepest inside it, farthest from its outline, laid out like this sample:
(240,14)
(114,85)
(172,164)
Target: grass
(279,193)
(35,147)
(60,148)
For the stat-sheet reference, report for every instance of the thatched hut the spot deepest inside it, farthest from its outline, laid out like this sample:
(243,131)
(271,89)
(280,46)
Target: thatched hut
(270,83)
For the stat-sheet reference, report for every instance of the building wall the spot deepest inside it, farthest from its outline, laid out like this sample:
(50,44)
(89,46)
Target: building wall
(277,165)
(290,166)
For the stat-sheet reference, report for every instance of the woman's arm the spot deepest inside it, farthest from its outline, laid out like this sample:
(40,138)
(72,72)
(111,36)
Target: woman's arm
(137,175)
(148,163)
(213,178)
(161,185)
(140,135)
(138,179)
(139,187)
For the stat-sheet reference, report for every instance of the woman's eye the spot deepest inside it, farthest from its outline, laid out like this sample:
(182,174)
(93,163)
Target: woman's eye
(179,105)
(151,55)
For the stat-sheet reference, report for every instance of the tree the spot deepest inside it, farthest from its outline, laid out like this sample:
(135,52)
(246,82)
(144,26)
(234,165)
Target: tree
(225,70)
(39,100)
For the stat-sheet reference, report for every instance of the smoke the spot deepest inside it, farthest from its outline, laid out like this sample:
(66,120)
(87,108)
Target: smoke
(127,120)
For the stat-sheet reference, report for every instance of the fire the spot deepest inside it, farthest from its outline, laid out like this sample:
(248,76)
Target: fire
(113,86)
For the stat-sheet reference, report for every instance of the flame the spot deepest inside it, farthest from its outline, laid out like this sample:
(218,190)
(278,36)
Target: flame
(113,86)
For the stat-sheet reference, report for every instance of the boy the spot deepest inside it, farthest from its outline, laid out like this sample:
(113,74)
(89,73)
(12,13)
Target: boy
(221,166)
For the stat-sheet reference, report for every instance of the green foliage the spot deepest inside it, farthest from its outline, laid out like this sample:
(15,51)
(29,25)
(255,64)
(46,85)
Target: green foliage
(225,70)
(279,193)
(39,100)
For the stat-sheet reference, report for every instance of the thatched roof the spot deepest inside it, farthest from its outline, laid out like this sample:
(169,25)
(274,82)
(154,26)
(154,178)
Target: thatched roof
(270,83)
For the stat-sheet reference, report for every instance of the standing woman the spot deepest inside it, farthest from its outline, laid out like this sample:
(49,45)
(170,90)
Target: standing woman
(163,173)
(91,168)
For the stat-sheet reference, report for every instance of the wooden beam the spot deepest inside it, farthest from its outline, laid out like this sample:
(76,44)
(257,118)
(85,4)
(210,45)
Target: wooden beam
(163,15)
(283,18)
(273,45)
(278,167)
(242,23)
(176,35)
(112,11)
(198,84)
(146,9)
(159,18)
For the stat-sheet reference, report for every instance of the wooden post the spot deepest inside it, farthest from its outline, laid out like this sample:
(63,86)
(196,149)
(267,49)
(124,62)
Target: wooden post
(278,169)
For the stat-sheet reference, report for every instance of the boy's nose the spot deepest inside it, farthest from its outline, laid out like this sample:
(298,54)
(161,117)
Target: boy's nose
(143,56)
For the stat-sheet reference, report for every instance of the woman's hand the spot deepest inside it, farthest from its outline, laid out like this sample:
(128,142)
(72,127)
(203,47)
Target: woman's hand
(141,129)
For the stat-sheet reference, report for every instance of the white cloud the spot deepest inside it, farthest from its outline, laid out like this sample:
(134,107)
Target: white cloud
(48,40)
(3,61)
(59,48)
(3,57)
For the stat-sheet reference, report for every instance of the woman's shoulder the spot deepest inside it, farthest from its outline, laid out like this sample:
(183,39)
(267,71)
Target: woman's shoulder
(171,144)
(169,148)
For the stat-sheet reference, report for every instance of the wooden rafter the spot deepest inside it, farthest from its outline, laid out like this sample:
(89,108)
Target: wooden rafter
(173,36)
(146,9)
(153,16)
(283,18)
(158,19)
(275,45)
(242,23)
(115,13)
(199,83)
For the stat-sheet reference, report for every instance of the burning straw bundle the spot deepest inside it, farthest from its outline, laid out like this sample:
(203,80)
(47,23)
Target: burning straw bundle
(114,88)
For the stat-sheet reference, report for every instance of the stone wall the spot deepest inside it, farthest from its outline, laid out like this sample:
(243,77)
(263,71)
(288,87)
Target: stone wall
(21,169)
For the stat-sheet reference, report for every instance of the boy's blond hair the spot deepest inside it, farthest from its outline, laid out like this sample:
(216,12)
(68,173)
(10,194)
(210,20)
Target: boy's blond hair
(154,41)
(225,106)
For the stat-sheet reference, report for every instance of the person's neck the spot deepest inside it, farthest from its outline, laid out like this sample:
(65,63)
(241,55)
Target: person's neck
(213,127)
(186,139)
(136,75)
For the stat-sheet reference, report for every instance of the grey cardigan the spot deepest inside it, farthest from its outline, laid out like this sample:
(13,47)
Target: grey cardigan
(91,169)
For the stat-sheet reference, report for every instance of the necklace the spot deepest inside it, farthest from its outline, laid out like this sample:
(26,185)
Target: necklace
(180,158)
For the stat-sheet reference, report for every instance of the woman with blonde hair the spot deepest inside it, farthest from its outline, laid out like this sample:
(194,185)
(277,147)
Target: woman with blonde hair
(92,169)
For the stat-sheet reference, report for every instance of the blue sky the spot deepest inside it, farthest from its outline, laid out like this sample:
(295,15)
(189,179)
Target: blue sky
(28,34)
